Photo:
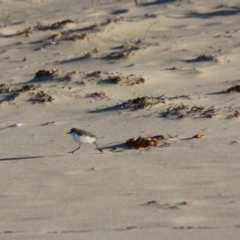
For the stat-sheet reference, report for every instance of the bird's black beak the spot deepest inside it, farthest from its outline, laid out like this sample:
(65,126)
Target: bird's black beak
(68,132)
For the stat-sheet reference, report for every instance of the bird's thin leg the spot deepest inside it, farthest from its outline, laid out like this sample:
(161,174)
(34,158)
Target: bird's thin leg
(98,147)
(75,149)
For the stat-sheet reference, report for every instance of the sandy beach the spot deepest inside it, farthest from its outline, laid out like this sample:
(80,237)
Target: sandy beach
(165,71)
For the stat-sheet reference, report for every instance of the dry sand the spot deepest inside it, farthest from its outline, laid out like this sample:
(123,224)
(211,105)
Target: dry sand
(179,54)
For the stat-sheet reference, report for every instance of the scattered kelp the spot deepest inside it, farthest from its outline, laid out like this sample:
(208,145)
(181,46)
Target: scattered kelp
(150,141)
(183,111)
(148,102)
(235,88)
(41,97)
(46,73)
(143,102)
(142,142)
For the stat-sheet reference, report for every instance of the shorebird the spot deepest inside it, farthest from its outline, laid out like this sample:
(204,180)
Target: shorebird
(80,136)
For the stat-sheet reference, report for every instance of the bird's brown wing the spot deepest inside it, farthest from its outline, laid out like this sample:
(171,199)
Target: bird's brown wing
(86,133)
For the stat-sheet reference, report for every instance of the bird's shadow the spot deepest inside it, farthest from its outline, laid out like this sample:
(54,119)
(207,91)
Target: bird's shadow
(27,158)
(20,158)
(218,93)
(116,147)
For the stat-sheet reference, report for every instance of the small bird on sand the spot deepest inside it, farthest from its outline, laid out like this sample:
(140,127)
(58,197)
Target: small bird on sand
(80,136)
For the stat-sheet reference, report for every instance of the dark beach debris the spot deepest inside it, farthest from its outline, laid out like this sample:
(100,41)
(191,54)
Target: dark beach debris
(117,55)
(143,142)
(182,111)
(148,102)
(48,123)
(204,57)
(55,37)
(10,93)
(61,23)
(128,80)
(222,6)
(116,19)
(198,136)
(26,31)
(41,97)
(143,102)
(89,28)
(4,89)
(27,88)
(116,78)
(46,73)
(176,110)
(172,68)
(150,15)
(70,75)
(236,114)
(11,96)
(168,205)
(131,46)
(69,36)
(235,88)
(99,95)
(75,37)
(209,113)
(95,74)
(72,34)
(127,49)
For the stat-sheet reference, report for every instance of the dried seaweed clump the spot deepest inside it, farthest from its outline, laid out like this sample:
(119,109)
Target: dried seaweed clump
(150,15)
(41,97)
(236,114)
(117,19)
(10,96)
(204,57)
(61,24)
(116,78)
(143,142)
(235,88)
(9,93)
(70,75)
(143,102)
(26,31)
(99,95)
(46,73)
(129,80)
(4,89)
(95,74)
(27,88)
(182,110)
(75,37)
(198,136)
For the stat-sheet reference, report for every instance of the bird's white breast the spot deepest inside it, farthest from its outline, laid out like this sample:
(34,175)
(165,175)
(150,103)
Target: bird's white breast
(82,139)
